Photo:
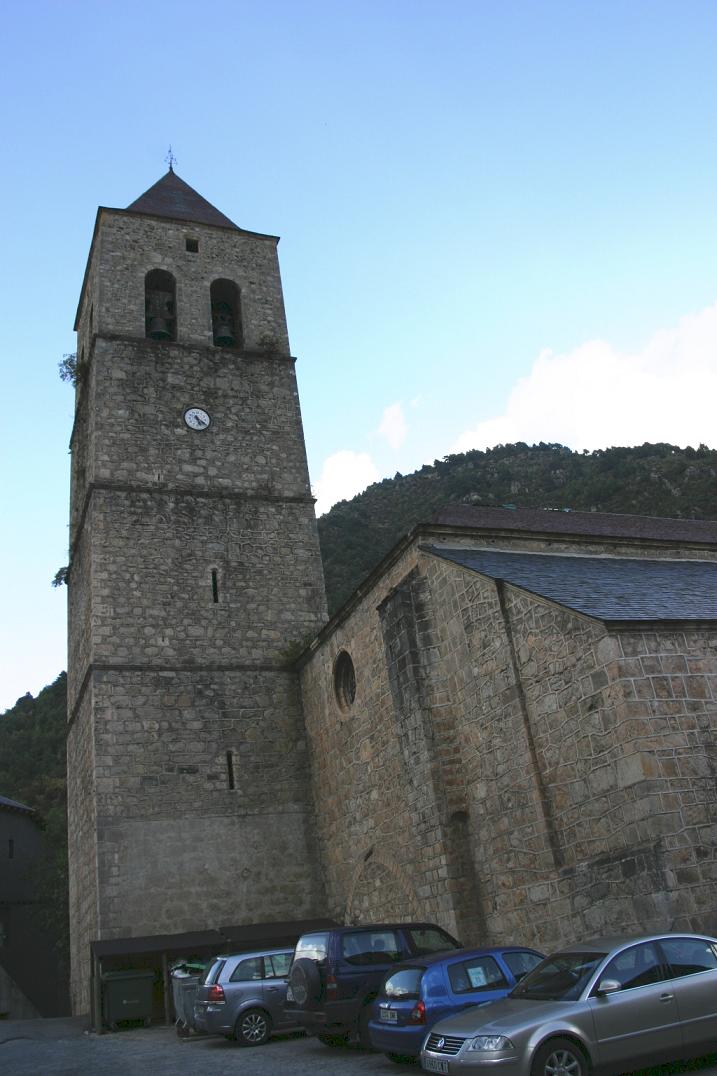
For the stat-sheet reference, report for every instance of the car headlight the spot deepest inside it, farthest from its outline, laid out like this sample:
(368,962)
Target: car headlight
(490,1042)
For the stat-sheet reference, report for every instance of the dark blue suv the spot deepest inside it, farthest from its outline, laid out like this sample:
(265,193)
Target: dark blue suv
(416,993)
(336,973)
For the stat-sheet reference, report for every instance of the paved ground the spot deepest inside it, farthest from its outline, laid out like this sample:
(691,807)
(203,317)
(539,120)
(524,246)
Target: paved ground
(65,1048)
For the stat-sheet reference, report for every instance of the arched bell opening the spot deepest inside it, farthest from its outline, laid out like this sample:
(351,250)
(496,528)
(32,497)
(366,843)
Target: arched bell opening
(160,320)
(226,318)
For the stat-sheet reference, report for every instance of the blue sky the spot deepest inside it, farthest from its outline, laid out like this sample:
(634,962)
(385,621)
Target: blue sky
(498,222)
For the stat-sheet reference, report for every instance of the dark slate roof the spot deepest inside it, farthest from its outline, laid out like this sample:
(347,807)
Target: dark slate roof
(172,197)
(13,805)
(588,524)
(608,588)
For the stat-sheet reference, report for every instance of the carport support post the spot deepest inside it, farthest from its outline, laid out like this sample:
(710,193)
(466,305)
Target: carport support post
(167,988)
(96,1014)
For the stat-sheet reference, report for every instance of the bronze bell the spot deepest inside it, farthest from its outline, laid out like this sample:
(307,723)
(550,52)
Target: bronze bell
(159,329)
(224,332)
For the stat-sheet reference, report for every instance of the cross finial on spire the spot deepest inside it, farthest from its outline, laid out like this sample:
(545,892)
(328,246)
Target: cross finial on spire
(171,159)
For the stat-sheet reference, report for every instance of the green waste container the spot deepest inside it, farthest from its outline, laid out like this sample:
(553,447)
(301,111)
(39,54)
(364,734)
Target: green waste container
(127,995)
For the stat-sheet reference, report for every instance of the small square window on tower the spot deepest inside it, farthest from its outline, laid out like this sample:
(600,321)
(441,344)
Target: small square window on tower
(192,245)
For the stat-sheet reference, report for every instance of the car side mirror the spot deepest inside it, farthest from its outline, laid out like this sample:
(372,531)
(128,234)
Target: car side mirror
(608,986)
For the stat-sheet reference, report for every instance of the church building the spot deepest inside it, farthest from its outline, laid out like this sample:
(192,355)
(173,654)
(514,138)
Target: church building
(508,729)
(513,728)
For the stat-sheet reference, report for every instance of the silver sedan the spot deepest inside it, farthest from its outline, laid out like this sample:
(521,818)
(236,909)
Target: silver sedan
(609,1005)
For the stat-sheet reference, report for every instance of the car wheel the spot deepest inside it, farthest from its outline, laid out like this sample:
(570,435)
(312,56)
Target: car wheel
(333,1040)
(560,1057)
(252,1028)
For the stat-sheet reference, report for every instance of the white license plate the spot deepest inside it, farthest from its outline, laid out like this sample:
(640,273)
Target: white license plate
(435,1064)
(389,1016)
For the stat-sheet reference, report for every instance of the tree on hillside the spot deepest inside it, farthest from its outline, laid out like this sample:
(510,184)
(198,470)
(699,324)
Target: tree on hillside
(33,771)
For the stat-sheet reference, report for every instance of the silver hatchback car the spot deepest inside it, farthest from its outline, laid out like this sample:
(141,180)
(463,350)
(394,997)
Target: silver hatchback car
(609,1005)
(243,996)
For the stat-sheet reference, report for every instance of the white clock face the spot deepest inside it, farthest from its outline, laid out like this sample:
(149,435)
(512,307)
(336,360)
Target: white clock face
(196,418)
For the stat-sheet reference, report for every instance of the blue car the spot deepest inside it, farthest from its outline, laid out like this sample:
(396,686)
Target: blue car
(418,992)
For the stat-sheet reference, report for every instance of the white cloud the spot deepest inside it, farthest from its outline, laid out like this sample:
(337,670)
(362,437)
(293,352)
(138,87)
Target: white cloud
(343,475)
(393,425)
(595,396)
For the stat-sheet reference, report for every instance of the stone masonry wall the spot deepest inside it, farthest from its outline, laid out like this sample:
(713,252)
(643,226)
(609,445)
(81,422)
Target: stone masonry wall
(575,766)
(130,427)
(154,600)
(380,812)
(195,577)
(614,813)
(129,245)
(669,685)
(180,848)
(82,849)
(79,615)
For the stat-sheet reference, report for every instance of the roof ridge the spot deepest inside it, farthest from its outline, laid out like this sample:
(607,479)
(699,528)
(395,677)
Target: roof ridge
(576,522)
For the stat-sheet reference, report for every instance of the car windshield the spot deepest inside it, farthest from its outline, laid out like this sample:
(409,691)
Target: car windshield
(561,977)
(426,940)
(312,946)
(370,947)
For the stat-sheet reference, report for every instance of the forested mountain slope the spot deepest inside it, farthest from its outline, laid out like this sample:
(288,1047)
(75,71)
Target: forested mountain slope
(33,771)
(655,480)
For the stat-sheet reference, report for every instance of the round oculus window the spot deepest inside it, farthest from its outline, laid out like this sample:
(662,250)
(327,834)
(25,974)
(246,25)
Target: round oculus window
(344,680)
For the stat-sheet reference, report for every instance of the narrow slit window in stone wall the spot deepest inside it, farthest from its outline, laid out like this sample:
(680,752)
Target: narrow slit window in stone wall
(344,680)
(230,771)
(215,586)
(160,319)
(226,317)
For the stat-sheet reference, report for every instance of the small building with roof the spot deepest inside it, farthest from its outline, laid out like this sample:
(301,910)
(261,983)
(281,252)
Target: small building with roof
(32,982)
(512,728)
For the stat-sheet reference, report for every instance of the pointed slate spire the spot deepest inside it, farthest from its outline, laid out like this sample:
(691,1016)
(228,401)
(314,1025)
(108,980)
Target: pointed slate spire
(172,197)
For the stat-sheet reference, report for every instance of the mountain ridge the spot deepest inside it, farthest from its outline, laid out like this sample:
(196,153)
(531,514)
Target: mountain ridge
(650,479)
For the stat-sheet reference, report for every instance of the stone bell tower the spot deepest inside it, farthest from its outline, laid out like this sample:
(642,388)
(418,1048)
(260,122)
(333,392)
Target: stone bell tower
(195,574)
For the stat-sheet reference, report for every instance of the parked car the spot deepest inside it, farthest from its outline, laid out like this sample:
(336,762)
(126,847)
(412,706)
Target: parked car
(243,996)
(414,995)
(609,1005)
(336,974)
